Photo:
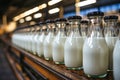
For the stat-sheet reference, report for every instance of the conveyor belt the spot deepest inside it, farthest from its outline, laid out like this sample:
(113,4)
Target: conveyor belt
(6,72)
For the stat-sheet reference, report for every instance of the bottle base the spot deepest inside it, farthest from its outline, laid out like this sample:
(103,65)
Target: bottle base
(48,59)
(56,62)
(109,70)
(97,76)
(39,55)
(34,53)
(74,68)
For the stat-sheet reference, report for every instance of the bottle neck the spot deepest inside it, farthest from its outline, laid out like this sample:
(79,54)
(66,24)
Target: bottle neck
(61,32)
(111,29)
(32,31)
(110,24)
(84,30)
(61,28)
(39,31)
(74,29)
(50,27)
(50,30)
(97,28)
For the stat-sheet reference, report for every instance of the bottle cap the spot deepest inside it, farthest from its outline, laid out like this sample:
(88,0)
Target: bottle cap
(74,17)
(60,20)
(110,17)
(42,23)
(67,23)
(84,22)
(49,21)
(95,13)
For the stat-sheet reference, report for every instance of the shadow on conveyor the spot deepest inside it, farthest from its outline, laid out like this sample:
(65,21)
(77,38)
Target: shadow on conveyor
(6,72)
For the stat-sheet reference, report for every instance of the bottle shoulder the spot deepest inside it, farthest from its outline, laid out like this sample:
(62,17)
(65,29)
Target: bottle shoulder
(96,42)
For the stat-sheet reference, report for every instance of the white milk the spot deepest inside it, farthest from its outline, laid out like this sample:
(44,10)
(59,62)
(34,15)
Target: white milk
(111,43)
(40,45)
(25,41)
(29,42)
(116,61)
(48,46)
(34,44)
(95,56)
(14,38)
(73,52)
(58,49)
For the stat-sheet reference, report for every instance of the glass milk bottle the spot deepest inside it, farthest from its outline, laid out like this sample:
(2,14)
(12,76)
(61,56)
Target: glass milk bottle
(17,38)
(32,39)
(41,38)
(21,39)
(111,35)
(33,36)
(67,29)
(49,39)
(116,58)
(95,50)
(14,38)
(27,38)
(55,30)
(73,45)
(35,39)
(24,38)
(59,40)
(32,32)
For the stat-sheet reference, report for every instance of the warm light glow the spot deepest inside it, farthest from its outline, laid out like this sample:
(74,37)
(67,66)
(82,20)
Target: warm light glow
(21,15)
(37,15)
(31,11)
(11,26)
(26,13)
(84,3)
(21,21)
(32,22)
(42,6)
(55,10)
(28,18)
(52,2)
(16,18)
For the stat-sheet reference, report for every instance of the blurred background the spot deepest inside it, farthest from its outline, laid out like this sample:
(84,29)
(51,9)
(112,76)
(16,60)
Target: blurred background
(17,13)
